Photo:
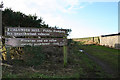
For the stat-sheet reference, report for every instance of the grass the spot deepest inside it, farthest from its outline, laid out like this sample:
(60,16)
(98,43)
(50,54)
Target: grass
(108,55)
(88,68)
(83,67)
(37,75)
(79,65)
(92,69)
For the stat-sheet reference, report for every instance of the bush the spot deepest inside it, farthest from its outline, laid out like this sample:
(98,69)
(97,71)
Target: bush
(33,55)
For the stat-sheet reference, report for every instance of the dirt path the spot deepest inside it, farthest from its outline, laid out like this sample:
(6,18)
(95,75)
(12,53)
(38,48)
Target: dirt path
(104,66)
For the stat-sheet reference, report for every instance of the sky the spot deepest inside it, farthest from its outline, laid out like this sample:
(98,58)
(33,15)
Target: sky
(86,18)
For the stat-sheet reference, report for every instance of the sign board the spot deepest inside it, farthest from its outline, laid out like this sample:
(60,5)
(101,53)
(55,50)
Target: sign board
(41,32)
(20,42)
(20,31)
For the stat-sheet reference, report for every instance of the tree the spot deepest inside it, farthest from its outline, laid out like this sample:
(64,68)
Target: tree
(14,19)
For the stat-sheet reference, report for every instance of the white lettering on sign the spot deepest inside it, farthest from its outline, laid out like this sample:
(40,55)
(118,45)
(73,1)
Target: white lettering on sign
(9,33)
(24,40)
(59,31)
(45,40)
(19,34)
(35,30)
(39,44)
(39,40)
(16,42)
(45,30)
(18,31)
(43,34)
(27,34)
(8,29)
(25,44)
(52,40)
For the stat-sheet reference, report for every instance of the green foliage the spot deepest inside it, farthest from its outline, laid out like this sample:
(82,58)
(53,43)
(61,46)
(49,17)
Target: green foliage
(33,55)
(15,19)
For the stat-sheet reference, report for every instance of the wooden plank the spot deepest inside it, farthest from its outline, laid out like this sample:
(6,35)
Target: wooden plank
(21,31)
(20,42)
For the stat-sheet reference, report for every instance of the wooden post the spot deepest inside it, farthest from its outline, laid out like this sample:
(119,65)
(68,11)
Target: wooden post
(93,39)
(1,22)
(8,54)
(1,6)
(65,54)
(0,29)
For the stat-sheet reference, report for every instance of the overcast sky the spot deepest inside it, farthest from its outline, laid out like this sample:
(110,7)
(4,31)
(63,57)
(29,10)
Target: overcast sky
(86,19)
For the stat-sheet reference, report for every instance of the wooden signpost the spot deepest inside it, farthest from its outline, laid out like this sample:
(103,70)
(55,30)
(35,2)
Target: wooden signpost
(56,37)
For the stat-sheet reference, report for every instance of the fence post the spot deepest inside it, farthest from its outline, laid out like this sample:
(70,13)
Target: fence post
(93,39)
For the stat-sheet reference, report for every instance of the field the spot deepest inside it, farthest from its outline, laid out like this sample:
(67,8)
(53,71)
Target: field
(88,40)
(80,64)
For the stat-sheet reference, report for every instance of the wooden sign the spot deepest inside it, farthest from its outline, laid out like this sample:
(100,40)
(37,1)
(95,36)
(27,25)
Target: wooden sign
(42,32)
(20,42)
(18,31)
